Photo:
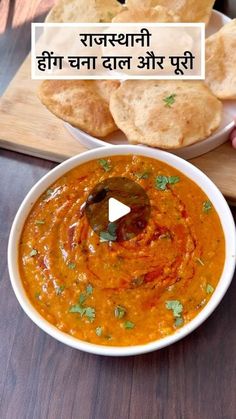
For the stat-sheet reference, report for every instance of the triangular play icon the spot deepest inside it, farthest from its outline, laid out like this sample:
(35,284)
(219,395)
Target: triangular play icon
(116,209)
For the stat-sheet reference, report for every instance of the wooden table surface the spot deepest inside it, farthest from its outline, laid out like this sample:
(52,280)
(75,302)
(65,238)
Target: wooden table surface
(41,378)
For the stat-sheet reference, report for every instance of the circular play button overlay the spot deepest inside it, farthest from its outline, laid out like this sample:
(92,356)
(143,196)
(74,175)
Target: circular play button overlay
(117,209)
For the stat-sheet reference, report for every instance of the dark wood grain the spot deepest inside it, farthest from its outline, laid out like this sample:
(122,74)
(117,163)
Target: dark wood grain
(43,379)
(15,28)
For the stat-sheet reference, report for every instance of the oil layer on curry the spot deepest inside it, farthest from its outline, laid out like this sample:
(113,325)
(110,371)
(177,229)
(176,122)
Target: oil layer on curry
(122,293)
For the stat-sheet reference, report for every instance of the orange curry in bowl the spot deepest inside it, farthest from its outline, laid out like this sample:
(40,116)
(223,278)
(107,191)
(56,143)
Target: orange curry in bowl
(130,292)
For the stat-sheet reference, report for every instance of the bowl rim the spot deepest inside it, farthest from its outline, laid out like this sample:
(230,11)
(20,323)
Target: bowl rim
(188,170)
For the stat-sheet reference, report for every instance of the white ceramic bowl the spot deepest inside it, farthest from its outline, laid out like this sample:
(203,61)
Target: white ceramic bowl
(189,170)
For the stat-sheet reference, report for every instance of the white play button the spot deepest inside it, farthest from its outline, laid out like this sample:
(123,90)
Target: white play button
(116,209)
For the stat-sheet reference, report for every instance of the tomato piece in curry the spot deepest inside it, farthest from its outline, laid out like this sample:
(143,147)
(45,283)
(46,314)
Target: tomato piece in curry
(122,293)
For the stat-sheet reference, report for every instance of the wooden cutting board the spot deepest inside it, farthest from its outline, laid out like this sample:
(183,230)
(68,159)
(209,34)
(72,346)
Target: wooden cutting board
(28,127)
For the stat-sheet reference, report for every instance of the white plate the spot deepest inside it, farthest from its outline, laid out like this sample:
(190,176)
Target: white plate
(219,137)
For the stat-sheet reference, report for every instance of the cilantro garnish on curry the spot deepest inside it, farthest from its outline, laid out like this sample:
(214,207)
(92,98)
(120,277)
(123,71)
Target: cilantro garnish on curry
(122,293)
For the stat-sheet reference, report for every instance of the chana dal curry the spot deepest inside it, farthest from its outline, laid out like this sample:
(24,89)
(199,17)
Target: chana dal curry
(122,293)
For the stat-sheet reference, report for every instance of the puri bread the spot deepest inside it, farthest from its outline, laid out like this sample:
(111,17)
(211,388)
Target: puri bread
(187,10)
(73,11)
(82,103)
(190,10)
(221,62)
(107,9)
(165,114)
(136,4)
(154,14)
(88,11)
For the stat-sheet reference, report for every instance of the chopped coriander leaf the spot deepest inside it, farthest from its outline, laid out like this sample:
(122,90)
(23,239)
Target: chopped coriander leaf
(37,295)
(98,331)
(129,325)
(161,182)
(119,312)
(169,100)
(82,298)
(175,306)
(89,289)
(90,313)
(207,206)
(172,180)
(112,228)
(142,175)
(39,222)
(209,289)
(33,252)
(110,234)
(60,289)
(105,165)
(179,321)
(71,265)
(200,261)
(77,308)
(106,237)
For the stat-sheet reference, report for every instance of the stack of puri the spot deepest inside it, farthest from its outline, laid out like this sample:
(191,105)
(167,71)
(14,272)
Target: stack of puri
(167,114)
